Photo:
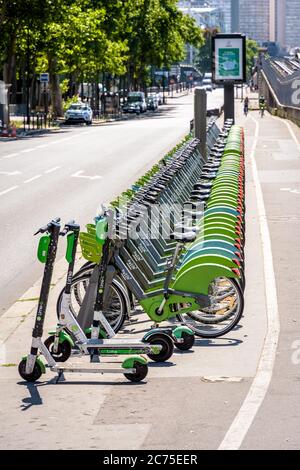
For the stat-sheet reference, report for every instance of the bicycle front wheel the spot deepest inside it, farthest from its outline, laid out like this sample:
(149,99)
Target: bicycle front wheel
(115,311)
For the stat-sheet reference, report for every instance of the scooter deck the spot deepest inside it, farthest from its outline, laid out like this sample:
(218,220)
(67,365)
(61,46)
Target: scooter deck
(108,368)
(114,343)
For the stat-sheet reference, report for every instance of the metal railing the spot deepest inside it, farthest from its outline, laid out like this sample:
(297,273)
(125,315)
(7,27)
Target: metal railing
(281,86)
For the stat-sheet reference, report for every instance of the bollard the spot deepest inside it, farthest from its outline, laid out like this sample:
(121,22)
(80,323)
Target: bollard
(14,131)
(5,131)
(229,101)
(200,110)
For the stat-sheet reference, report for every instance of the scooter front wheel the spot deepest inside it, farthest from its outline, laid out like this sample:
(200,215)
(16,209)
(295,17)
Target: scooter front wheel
(63,352)
(35,374)
(140,374)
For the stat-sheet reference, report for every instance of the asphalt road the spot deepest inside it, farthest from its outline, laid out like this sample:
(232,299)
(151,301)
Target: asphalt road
(69,173)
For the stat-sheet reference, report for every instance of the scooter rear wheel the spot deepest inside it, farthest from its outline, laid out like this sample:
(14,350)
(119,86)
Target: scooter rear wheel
(140,374)
(35,374)
(188,342)
(167,347)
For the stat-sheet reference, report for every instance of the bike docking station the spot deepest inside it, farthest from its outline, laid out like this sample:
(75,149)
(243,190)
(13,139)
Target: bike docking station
(229,67)
(186,274)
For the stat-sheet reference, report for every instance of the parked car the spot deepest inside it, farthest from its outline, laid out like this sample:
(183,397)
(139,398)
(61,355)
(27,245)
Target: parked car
(131,108)
(207,84)
(79,112)
(158,97)
(152,103)
(136,103)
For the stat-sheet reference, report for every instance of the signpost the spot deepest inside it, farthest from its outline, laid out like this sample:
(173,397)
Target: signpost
(44,79)
(229,66)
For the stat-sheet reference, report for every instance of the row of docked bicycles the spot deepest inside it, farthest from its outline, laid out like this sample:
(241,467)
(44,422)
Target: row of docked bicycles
(171,247)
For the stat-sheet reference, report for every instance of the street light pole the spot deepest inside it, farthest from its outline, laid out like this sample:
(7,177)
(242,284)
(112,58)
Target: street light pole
(27,80)
(164,87)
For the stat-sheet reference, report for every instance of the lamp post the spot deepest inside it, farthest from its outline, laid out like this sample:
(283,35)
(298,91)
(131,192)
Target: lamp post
(27,80)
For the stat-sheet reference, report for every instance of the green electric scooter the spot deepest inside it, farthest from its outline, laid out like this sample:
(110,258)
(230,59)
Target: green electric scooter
(32,367)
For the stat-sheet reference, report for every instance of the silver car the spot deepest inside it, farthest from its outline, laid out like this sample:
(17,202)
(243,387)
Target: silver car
(79,112)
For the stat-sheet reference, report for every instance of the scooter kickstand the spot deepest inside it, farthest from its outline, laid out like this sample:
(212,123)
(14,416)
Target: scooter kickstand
(95,356)
(59,376)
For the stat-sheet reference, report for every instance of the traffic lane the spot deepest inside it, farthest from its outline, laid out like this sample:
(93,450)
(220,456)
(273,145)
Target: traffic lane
(33,161)
(118,161)
(38,142)
(63,134)
(94,153)
(278,159)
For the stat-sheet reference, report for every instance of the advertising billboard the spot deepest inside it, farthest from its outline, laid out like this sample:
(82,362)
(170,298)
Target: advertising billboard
(229,58)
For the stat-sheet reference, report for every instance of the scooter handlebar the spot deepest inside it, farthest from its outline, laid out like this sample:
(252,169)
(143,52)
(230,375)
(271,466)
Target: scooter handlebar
(70,227)
(48,227)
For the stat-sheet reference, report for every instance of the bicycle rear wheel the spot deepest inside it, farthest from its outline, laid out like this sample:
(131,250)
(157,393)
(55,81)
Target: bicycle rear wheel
(225,312)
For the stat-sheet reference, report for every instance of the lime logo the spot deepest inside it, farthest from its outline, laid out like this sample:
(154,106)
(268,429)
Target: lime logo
(2,353)
(74,328)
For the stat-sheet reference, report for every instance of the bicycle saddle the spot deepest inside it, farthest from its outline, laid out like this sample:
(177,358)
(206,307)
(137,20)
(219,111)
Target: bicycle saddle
(188,237)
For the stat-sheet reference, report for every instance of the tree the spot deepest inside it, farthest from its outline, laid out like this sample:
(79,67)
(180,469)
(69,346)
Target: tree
(251,53)
(76,40)
(204,56)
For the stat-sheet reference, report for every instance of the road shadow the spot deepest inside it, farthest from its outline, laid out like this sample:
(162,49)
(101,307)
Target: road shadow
(217,342)
(34,398)
(41,135)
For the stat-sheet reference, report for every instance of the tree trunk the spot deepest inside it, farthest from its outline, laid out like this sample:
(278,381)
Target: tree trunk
(56,96)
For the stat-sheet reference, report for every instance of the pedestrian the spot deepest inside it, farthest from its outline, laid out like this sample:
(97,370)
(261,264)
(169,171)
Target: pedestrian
(246,106)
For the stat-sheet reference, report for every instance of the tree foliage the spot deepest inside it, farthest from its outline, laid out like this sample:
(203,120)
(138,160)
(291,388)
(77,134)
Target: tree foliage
(252,52)
(80,39)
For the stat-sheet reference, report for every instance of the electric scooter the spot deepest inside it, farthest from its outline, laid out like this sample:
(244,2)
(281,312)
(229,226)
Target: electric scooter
(61,344)
(32,367)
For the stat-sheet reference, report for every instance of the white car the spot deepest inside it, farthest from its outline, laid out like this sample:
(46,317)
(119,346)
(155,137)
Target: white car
(207,87)
(79,112)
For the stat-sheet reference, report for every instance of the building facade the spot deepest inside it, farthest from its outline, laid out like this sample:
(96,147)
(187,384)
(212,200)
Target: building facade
(254,19)
(225,7)
(288,23)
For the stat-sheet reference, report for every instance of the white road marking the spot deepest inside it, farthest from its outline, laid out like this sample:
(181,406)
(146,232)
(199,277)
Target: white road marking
(261,382)
(289,190)
(43,146)
(32,179)
(28,150)
(8,190)
(11,155)
(79,174)
(52,170)
(10,173)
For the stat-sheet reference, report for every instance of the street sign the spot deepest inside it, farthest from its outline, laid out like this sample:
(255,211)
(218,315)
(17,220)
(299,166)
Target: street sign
(229,58)
(44,77)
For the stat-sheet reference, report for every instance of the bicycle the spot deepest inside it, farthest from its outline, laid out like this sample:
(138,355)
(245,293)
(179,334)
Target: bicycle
(224,246)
